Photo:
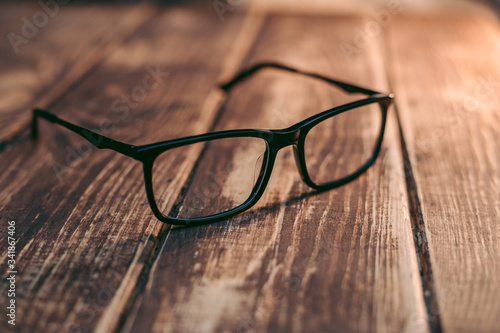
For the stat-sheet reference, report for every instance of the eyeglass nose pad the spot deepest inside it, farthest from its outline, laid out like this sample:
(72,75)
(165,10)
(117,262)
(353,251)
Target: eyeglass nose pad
(298,161)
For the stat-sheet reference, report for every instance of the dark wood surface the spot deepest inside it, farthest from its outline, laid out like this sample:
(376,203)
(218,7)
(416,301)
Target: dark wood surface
(410,246)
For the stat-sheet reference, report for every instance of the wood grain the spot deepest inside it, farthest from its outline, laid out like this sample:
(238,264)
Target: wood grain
(448,99)
(37,71)
(92,257)
(86,233)
(342,260)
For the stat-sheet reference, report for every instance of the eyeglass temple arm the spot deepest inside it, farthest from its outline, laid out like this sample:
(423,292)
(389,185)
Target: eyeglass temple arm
(249,71)
(98,140)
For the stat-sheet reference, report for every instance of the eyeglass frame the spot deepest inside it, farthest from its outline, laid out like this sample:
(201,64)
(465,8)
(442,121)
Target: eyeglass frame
(275,139)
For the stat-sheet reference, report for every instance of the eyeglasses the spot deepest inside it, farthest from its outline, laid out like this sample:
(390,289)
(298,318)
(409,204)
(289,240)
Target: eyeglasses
(229,170)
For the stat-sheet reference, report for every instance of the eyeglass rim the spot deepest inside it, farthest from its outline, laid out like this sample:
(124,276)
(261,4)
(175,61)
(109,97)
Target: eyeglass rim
(275,139)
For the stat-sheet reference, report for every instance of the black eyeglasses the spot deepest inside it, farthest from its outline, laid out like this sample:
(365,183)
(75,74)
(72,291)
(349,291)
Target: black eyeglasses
(232,168)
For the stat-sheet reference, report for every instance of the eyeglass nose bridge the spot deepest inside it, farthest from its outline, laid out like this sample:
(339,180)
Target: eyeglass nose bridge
(285,138)
(282,139)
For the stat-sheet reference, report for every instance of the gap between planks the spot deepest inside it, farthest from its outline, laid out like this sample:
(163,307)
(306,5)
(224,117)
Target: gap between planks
(420,241)
(420,238)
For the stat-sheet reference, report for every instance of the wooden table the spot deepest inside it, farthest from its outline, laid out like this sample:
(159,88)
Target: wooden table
(411,246)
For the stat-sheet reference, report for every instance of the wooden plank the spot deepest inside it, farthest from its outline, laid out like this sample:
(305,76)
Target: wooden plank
(342,260)
(446,75)
(41,64)
(85,234)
